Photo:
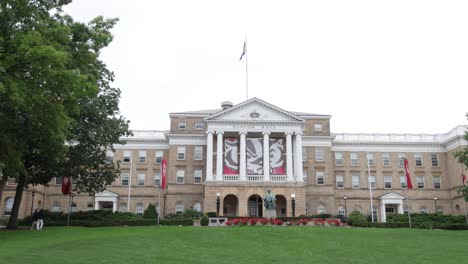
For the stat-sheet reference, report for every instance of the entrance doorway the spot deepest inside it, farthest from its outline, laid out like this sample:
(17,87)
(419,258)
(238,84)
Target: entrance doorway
(230,205)
(107,206)
(280,206)
(255,206)
(391,209)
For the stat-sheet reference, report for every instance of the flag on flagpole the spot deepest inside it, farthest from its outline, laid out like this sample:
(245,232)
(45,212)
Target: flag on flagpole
(407,174)
(244,51)
(66,185)
(163,173)
(464,179)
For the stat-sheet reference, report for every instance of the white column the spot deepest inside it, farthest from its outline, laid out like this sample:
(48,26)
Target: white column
(114,206)
(298,157)
(96,205)
(382,212)
(219,157)
(400,207)
(266,156)
(243,158)
(209,156)
(289,157)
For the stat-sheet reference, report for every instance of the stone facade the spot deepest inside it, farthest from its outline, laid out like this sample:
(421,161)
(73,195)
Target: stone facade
(321,168)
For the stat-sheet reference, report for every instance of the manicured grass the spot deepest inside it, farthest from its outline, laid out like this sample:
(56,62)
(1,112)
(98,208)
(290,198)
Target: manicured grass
(232,245)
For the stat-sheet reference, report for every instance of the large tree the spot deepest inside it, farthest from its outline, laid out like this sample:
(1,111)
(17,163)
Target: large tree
(462,157)
(58,112)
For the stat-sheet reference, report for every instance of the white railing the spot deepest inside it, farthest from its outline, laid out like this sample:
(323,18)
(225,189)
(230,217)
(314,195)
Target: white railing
(231,178)
(278,178)
(255,178)
(11,182)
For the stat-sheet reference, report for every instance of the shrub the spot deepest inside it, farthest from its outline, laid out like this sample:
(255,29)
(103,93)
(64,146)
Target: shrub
(357,219)
(212,214)
(150,212)
(204,220)
(190,213)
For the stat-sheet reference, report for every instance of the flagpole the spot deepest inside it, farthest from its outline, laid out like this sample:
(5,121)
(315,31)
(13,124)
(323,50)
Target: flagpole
(370,189)
(130,181)
(407,204)
(246,71)
(159,201)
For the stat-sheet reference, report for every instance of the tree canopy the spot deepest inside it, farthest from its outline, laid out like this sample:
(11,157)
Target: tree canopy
(58,111)
(462,157)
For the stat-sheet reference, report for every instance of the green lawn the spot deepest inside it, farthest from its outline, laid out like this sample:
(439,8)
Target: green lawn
(232,245)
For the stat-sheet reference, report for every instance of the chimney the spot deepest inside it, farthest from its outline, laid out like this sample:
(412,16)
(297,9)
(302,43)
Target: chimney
(226,104)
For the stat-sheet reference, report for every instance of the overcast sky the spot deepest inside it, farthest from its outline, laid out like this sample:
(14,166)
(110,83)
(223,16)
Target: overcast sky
(374,66)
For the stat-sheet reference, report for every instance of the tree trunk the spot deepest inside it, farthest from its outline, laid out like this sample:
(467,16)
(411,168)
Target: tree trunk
(2,187)
(13,221)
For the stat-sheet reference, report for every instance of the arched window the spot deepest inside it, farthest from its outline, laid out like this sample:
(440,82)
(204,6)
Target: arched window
(8,206)
(123,207)
(440,210)
(56,207)
(139,209)
(322,209)
(374,213)
(73,207)
(90,207)
(197,207)
(341,211)
(179,208)
(423,210)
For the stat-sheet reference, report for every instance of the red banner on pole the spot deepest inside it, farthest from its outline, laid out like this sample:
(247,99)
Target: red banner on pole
(66,185)
(408,177)
(163,173)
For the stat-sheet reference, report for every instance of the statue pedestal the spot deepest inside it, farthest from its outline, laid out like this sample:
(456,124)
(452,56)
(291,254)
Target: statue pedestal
(270,213)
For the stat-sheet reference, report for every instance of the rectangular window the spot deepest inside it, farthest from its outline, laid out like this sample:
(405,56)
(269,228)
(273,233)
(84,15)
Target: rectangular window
(157,179)
(142,156)
(339,181)
(125,177)
(127,156)
(320,177)
(370,159)
(436,182)
(198,153)
(319,154)
(304,174)
(180,175)
(420,181)
(388,182)
(141,179)
(58,180)
(197,176)
(418,159)
(435,160)
(355,181)
(304,154)
(386,159)
(372,182)
(318,127)
(110,155)
(159,156)
(180,153)
(354,159)
(339,159)
(401,158)
(182,125)
(403,182)
(198,126)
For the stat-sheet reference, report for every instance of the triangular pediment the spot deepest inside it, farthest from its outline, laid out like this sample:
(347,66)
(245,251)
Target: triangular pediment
(392,196)
(106,193)
(254,110)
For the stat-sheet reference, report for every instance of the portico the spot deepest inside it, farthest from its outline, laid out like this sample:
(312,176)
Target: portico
(391,203)
(255,142)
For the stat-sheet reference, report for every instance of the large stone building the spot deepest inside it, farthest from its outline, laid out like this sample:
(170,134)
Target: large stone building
(217,157)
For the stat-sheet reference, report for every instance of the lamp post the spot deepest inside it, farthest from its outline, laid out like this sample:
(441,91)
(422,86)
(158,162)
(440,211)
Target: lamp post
(218,203)
(32,201)
(345,207)
(293,204)
(435,204)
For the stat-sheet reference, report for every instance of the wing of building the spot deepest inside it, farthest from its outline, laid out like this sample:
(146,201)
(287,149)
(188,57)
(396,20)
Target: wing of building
(227,159)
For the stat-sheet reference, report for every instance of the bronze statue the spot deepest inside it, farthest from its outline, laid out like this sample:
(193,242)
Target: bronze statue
(269,201)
